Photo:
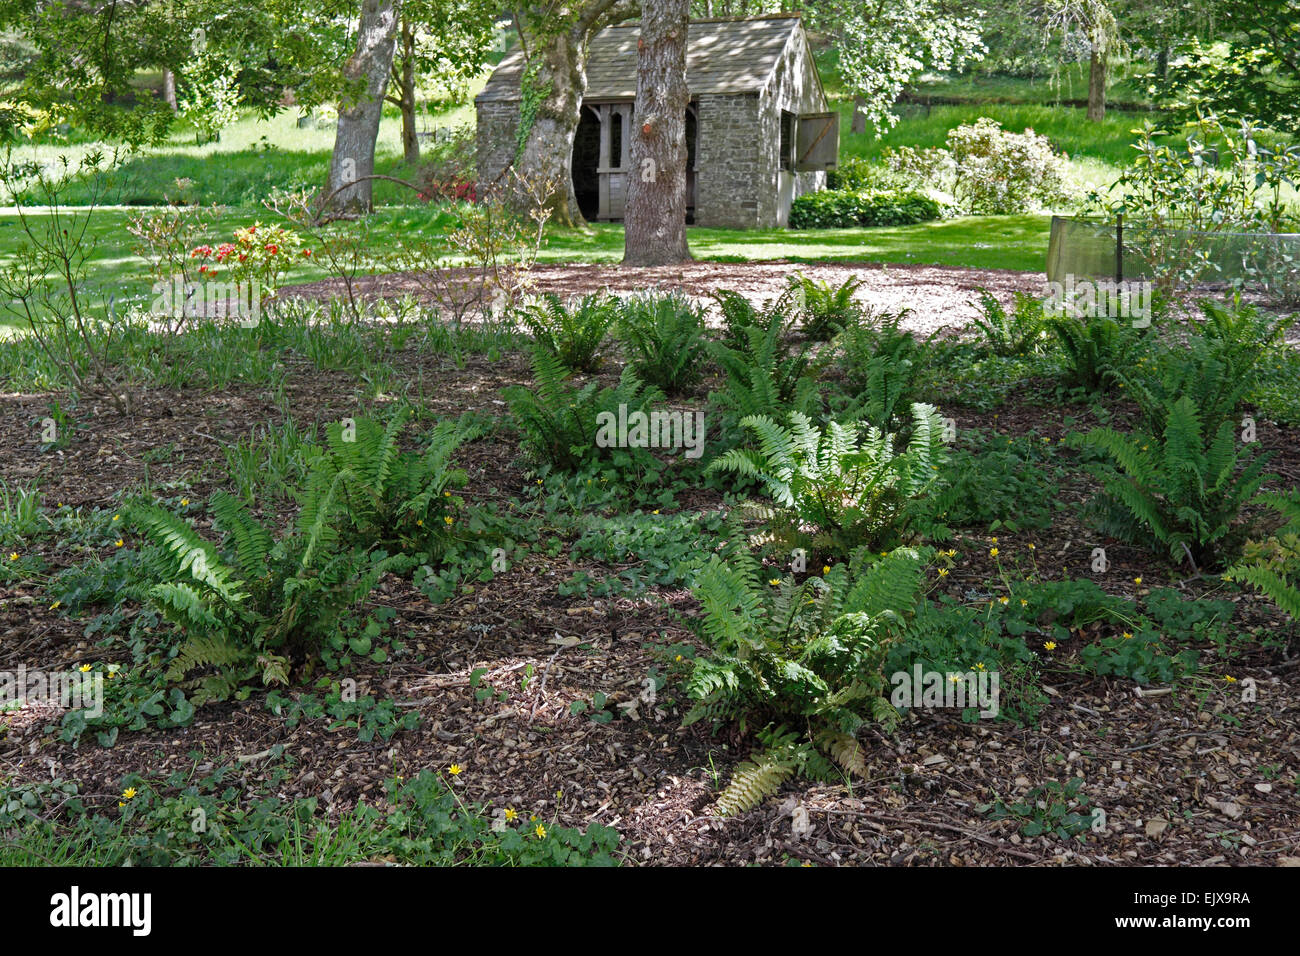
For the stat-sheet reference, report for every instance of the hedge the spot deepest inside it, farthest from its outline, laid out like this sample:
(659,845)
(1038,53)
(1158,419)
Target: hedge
(836,209)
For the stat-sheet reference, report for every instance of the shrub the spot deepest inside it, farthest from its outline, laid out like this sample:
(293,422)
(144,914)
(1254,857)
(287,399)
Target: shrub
(829,209)
(855,174)
(989,170)
(664,337)
(572,333)
(803,661)
(832,493)
(261,254)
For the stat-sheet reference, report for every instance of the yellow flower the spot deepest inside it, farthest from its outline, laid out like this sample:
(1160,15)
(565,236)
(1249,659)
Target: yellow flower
(184,502)
(993,552)
(84,668)
(979,666)
(1031,546)
(540,831)
(455,769)
(1137,580)
(13,555)
(450,520)
(951,552)
(1127,635)
(826,569)
(943,572)
(117,517)
(447,494)
(118,542)
(679,658)
(955,679)
(419,522)
(128,793)
(1229,678)
(511,814)
(655,512)
(1050,645)
(539,481)
(55,605)
(1024,603)
(774,582)
(995,540)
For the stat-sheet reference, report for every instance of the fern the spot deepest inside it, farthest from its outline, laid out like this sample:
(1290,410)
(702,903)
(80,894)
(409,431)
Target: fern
(664,338)
(573,334)
(827,309)
(831,492)
(807,655)
(1181,491)
(1018,332)
(1272,566)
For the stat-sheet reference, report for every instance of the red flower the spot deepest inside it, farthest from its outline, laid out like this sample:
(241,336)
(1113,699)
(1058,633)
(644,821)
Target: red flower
(243,256)
(203,268)
(272,249)
(306,253)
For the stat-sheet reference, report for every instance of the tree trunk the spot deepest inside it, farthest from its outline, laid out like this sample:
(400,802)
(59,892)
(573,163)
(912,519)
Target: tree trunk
(406,97)
(655,220)
(859,124)
(169,89)
(557,65)
(367,69)
(1097,84)
(547,156)
(1162,63)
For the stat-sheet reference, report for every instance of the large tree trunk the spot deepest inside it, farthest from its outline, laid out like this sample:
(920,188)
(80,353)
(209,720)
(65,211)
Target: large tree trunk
(556,48)
(353,162)
(655,220)
(1097,84)
(406,95)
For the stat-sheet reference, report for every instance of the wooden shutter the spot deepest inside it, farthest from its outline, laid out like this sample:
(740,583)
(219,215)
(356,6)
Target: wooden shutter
(818,142)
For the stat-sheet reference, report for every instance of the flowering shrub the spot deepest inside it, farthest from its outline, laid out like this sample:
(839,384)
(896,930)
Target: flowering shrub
(261,254)
(989,170)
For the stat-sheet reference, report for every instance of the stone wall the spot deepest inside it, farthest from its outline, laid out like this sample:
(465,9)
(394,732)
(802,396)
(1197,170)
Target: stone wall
(495,139)
(729,168)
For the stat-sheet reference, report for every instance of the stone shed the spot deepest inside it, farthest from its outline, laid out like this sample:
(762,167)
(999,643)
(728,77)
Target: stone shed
(758,129)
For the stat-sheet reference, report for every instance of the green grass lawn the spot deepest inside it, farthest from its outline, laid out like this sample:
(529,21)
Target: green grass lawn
(990,242)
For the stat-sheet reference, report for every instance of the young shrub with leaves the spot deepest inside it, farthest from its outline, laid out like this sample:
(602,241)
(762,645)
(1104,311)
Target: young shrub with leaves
(827,309)
(1272,566)
(802,661)
(573,333)
(831,492)
(395,499)
(256,606)
(1180,490)
(664,338)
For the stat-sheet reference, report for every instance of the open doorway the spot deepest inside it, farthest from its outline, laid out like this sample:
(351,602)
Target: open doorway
(600,164)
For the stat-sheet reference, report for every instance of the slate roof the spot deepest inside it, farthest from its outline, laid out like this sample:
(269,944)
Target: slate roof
(722,56)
